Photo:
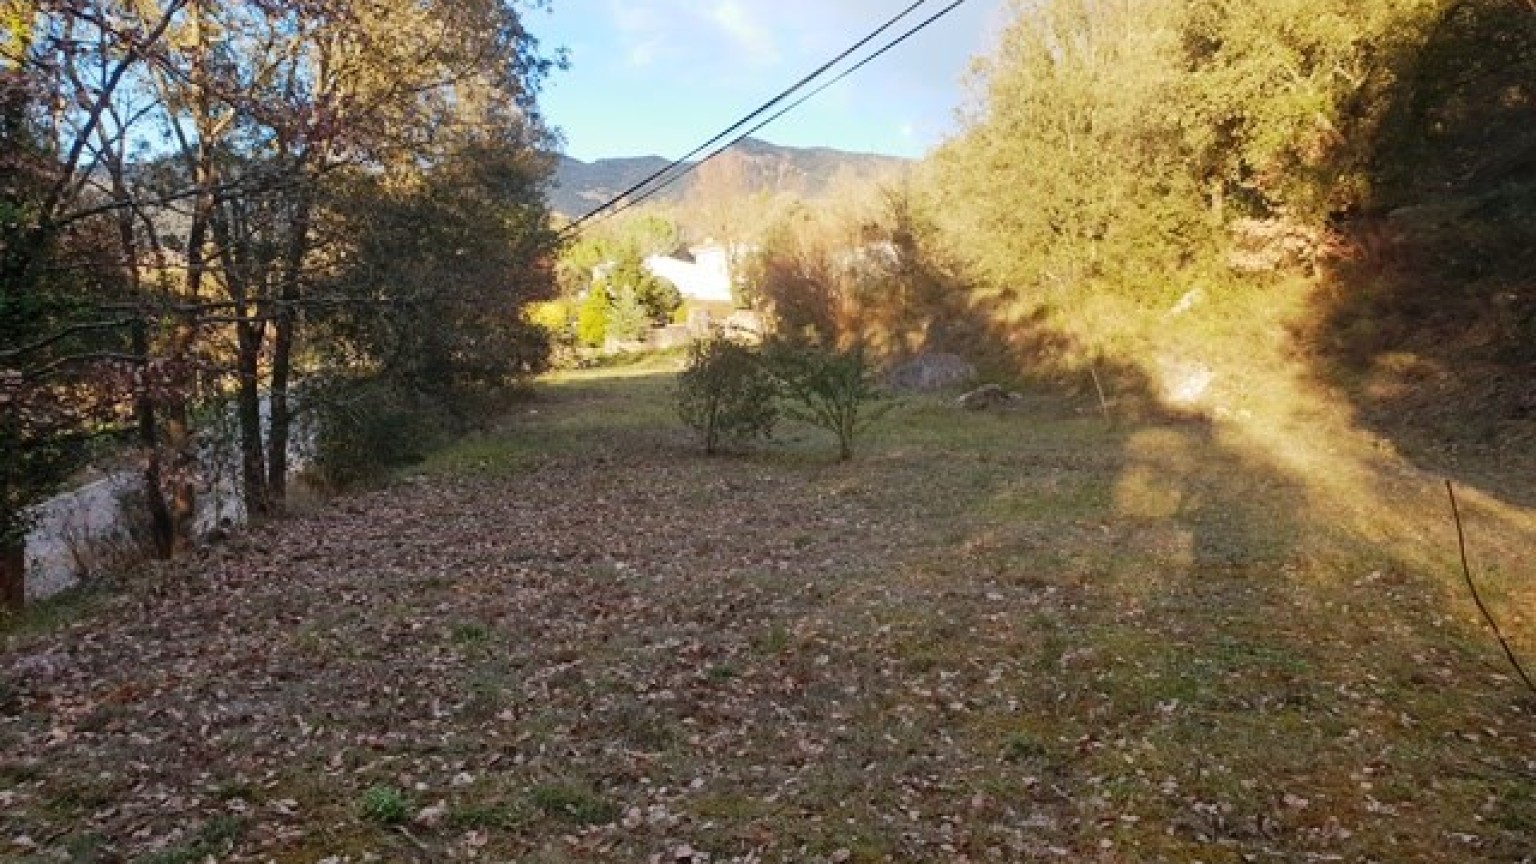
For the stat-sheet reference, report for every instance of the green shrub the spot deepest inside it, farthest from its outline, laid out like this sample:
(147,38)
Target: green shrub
(592,317)
(726,394)
(828,388)
(366,427)
(385,805)
(628,320)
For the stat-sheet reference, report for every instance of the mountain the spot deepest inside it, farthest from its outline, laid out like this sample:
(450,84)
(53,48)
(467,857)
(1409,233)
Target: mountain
(753,165)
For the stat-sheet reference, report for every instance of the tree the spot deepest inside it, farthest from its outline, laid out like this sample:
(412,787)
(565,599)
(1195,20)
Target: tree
(828,388)
(1121,139)
(657,298)
(466,247)
(628,319)
(726,394)
(61,364)
(231,227)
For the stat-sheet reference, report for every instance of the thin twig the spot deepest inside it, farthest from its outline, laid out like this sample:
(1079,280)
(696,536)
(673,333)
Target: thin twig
(1461,542)
(1103,403)
(415,841)
(1522,773)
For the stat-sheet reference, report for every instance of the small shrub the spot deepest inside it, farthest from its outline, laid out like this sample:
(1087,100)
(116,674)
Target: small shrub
(385,805)
(726,394)
(471,634)
(828,388)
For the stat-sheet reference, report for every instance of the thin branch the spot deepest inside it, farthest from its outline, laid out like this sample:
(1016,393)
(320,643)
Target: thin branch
(48,369)
(1461,542)
(89,327)
(108,89)
(238,187)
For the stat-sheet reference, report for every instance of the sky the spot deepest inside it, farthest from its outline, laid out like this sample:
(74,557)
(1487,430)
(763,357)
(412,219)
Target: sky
(663,76)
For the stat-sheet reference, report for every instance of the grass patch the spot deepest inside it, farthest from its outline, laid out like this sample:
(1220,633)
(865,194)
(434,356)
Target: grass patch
(52,614)
(504,816)
(572,804)
(1016,636)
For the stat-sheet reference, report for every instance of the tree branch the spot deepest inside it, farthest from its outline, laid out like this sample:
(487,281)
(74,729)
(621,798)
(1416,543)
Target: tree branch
(48,369)
(73,330)
(1461,542)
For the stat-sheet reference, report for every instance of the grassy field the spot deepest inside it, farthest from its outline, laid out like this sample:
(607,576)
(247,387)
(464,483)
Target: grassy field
(1032,635)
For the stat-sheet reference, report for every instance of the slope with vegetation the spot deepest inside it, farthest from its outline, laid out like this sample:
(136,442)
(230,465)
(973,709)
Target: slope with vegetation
(1306,199)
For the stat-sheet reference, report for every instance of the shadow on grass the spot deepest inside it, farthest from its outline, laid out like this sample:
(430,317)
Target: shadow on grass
(1143,629)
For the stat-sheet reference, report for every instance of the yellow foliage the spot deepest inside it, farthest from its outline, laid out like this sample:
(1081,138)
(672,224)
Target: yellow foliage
(555,316)
(16,22)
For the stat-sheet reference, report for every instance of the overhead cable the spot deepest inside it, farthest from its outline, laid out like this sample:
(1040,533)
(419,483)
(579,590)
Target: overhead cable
(637,201)
(682,162)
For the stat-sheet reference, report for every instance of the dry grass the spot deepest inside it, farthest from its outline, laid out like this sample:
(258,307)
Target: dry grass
(1030,636)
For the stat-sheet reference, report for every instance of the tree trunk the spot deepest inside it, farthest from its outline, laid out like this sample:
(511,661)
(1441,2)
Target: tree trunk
(285,328)
(234,234)
(13,575)
(162,530)
(160,527)
(181,441)
(253,463)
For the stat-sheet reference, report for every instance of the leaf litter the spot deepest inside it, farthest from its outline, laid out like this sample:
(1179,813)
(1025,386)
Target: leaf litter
(624,651)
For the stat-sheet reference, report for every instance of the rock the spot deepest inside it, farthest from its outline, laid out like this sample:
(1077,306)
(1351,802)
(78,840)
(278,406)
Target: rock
(1183,382)
(431,817)
(40,667)
(927,373)
(986,397)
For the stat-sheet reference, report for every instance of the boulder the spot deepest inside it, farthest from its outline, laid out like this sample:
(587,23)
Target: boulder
(927,373)
(987,397)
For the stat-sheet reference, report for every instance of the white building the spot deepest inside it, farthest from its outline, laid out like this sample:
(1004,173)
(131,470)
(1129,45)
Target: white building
(706,278)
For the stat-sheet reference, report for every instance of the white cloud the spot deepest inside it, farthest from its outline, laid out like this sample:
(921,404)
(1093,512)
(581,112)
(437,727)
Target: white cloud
(640,28)
(748,34)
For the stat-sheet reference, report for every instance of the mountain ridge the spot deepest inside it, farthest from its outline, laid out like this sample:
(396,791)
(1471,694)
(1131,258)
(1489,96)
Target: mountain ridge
(754,165)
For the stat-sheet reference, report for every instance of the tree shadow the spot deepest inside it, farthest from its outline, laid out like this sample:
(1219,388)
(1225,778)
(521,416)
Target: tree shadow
(1428,321)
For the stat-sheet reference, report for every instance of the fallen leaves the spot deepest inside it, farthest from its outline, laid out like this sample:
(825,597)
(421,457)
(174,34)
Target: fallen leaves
(660,657)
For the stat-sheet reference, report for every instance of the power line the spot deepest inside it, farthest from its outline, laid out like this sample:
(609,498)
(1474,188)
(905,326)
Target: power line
(763,109)
(650,193)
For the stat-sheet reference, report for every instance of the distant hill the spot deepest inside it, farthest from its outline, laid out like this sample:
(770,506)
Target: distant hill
(807,172)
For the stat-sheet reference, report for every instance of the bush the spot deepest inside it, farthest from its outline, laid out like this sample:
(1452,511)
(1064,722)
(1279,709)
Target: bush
(592,317)
(628,320)
(726,394)
(831,389)
(385,805)
(366,427)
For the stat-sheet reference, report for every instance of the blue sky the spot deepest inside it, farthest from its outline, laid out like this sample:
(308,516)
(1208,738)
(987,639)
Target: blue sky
(663,76)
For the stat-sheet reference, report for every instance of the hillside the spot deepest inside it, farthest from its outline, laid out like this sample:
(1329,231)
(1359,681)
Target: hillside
(807,172)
